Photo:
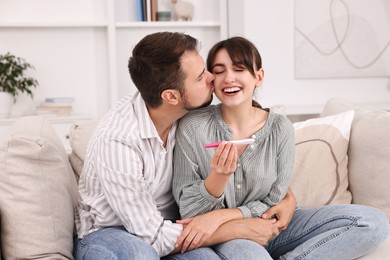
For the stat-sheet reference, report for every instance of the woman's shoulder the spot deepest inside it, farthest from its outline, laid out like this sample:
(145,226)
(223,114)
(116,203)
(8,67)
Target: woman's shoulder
(281,123)
(197,117)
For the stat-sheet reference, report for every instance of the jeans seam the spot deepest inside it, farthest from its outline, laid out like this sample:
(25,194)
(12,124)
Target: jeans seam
(87,249)
(222,256)
(325,240)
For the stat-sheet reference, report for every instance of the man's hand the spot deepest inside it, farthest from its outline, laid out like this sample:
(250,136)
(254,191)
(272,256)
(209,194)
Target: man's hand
(258,230)
(283,212)
(198,229)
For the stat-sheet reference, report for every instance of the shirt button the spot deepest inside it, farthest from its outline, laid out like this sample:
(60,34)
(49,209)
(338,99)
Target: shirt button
(238,165)
(252,146)
(238,186)
(253,136)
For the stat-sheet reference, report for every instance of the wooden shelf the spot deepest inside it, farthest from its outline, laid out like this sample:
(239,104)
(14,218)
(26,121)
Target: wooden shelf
(166,24)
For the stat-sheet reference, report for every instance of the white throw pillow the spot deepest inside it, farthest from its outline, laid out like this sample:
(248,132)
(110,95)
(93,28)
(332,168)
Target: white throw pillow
(320,174)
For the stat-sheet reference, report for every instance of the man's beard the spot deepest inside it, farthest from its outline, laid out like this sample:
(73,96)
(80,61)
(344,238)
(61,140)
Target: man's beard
(188,107)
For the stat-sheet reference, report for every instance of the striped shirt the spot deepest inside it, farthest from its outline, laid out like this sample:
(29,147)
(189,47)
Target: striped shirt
(263,171)
(127,178)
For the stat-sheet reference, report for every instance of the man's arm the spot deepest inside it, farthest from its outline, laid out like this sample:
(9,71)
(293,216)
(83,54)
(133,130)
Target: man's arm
(259,230)
(127,192)
(283,211)
(256,229)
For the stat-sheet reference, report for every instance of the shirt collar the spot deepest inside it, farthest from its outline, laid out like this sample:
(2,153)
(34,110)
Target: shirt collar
(146,126)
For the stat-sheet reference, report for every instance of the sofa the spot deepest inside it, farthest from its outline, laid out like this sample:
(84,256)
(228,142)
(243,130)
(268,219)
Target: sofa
(343,156)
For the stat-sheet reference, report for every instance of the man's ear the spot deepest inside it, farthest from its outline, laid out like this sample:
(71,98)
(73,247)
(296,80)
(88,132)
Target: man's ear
(171,96)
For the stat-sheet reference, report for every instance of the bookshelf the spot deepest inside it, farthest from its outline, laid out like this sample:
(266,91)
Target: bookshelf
(80,48)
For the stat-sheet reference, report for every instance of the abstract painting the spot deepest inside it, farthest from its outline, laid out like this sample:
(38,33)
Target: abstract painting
(341,38)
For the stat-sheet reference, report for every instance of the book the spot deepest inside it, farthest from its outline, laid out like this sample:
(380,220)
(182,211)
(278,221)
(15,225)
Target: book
(140,11)
(60,99)
(148,6)
(153,10)
(55,104)
(59,111)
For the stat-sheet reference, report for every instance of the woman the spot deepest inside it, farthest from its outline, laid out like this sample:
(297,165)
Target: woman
(251,178)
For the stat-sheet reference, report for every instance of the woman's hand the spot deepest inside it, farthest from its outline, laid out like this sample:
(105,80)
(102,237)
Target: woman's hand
(223,164)
(283,212)
(224,160)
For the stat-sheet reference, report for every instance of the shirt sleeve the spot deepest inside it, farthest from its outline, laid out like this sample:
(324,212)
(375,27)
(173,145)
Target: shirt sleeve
(120,170)
(285,152)
(188,188)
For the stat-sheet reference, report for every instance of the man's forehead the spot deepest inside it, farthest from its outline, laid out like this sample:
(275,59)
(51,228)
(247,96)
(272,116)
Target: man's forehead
(192,63)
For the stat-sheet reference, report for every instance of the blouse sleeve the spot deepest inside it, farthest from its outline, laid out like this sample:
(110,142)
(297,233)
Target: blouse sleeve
(188,188)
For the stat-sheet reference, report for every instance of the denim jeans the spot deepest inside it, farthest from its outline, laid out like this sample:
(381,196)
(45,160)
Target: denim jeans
(115,243)
(331,232)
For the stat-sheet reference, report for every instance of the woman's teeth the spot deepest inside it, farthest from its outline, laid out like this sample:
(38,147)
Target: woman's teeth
(231,90)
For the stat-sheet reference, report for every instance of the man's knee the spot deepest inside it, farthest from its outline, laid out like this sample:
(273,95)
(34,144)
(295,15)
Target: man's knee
(114,244)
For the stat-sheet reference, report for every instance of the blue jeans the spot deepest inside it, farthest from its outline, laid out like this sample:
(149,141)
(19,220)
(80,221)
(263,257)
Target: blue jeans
(115,243)
(329,232)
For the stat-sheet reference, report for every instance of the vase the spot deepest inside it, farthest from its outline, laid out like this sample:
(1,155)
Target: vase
(6,102)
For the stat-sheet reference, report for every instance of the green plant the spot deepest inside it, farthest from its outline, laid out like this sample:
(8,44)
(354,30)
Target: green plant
(12,75)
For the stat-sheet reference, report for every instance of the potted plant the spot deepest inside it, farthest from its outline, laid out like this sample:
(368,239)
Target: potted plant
(13,81)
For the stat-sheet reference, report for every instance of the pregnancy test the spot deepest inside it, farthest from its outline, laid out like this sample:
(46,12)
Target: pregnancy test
(243,141)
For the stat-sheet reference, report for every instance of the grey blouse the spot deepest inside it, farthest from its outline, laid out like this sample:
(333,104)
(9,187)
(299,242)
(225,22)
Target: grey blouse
(263,170)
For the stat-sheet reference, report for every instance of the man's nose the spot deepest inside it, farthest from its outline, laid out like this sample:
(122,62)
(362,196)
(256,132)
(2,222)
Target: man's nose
(211,77)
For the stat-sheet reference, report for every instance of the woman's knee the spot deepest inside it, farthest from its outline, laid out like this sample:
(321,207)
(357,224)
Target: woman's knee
(241,249)
(374,221)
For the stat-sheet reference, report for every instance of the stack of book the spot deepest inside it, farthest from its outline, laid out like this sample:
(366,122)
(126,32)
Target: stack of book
(146,10)
(59,106)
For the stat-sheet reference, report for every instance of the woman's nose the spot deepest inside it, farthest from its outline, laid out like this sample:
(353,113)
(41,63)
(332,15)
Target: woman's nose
(230,77)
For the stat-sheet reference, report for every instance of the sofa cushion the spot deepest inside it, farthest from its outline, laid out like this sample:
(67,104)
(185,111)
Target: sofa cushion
(369,155)
(38,193)
(320,174)
(80,134)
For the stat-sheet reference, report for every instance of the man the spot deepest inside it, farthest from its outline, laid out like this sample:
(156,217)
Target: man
(126,207)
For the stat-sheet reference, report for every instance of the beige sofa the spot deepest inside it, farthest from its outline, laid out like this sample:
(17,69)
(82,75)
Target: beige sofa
(38,187)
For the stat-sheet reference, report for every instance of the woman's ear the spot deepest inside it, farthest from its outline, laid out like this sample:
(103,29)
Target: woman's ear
(259,77)
(171,96)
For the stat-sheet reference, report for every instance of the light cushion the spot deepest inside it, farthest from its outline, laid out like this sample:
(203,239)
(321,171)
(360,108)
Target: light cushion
(80,134)
(38,193)
(320,174)
(369,155)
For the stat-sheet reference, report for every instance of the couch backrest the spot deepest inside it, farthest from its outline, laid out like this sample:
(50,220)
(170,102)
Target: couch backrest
(38,193)
(369,154)
(80,134)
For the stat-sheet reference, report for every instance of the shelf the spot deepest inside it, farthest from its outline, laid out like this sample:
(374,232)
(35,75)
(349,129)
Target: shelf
(94,38)
(166,24)
(51,118)
(52,25)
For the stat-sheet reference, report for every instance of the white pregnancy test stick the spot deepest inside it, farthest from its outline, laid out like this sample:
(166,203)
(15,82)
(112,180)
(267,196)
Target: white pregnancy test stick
(243,141)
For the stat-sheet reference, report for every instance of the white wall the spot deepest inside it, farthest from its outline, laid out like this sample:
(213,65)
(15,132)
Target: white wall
(270,25)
